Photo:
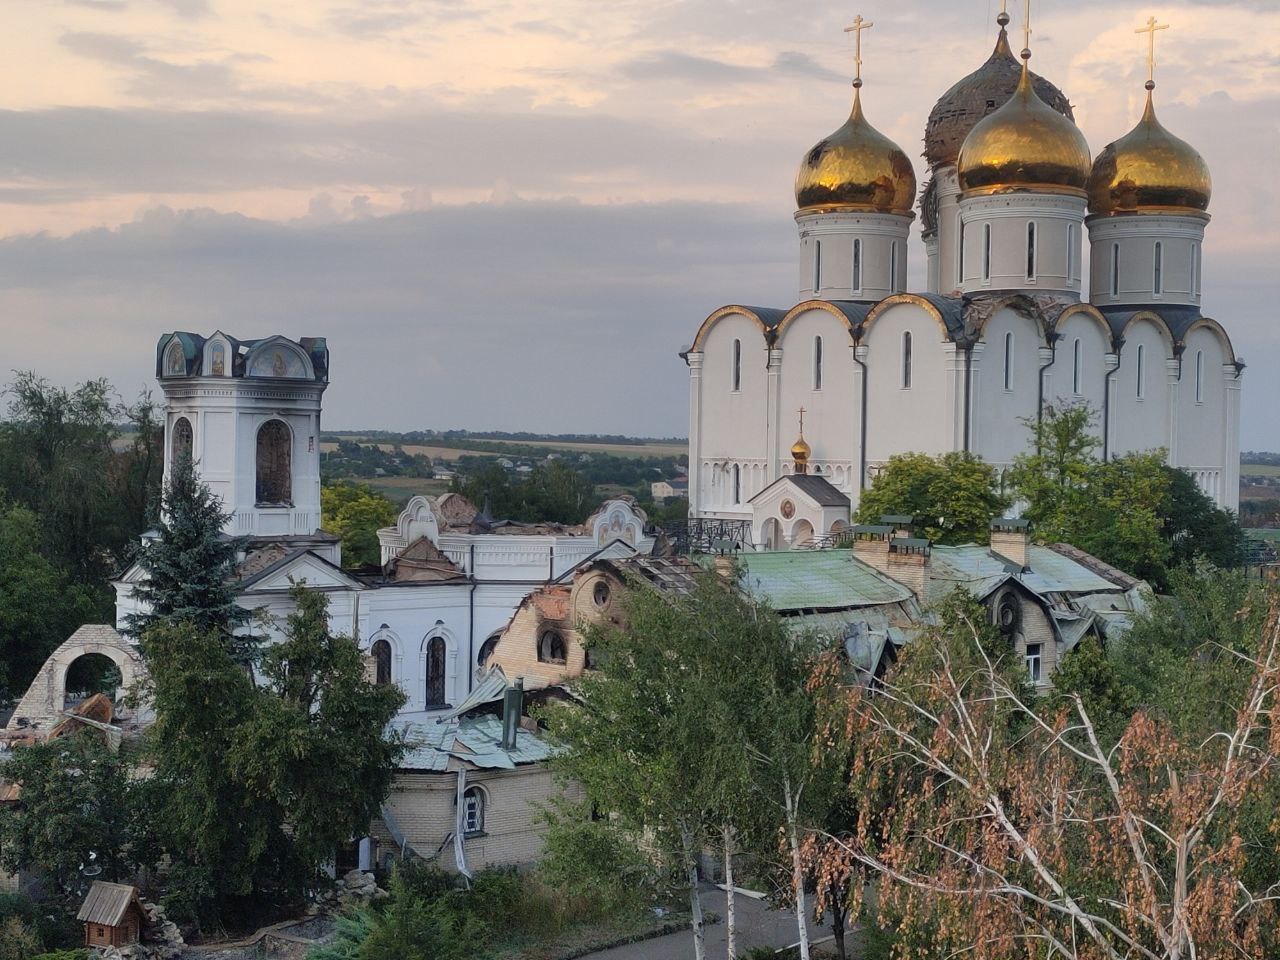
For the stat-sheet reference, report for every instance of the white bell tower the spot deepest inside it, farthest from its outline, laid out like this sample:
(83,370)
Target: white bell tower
(248,412)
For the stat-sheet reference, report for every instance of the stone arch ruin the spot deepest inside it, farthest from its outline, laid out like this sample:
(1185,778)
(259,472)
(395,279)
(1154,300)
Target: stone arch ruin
(45,700)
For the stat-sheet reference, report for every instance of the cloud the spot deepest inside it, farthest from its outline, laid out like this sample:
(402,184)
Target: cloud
(676,66)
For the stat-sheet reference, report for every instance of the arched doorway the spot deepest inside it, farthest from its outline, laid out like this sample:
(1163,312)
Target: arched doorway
(801,533)
(88,674)
(772,534)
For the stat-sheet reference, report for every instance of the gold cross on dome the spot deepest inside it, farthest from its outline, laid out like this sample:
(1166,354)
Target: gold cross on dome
(802,412)
(859,25)
(1150,30)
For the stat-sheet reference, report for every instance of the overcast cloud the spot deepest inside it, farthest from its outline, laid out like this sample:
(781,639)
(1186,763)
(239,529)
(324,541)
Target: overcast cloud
(513,215)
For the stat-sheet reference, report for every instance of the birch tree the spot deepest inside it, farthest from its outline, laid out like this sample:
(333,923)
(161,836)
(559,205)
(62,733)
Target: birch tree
(1005,827)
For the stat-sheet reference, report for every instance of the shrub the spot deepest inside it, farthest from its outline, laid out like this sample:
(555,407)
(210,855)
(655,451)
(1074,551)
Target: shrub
(18,941)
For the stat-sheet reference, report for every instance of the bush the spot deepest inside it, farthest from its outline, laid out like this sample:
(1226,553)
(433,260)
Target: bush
(80,953)
(18,940)
(594,861)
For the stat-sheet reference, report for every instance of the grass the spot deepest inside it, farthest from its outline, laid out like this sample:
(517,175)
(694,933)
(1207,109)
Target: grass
(581,939)
(638,449)
(402,489)
(1264,533)
(1259,470)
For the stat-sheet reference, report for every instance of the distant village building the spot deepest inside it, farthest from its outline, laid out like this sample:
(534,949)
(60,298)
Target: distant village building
(669,489)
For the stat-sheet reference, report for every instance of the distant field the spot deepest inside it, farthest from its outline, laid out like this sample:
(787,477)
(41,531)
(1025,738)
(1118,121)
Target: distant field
(435,453)
(453,453)
(1259,470)
(401,489)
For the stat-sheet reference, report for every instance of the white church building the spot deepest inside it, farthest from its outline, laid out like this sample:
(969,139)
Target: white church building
(1008,324)
(248,413)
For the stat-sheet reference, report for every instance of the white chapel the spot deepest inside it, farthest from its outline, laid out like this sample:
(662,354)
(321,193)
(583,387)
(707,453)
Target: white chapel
(1008,323)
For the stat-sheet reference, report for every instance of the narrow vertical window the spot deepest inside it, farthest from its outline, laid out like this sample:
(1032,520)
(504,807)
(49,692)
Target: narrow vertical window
(986,251)
(737,483)
(1157,279)
(960,254)
(893,266)
(1140,374)
(1034,661)
(817,265)
(1008,360)
(1077,356)
(857,264)
(435,672)
(1115,269)
(274,463)
(1195,269)
(817,363)
(382,662)
(906,361)
(737,365)
(1031,250)
(1071,253)
(1199,376)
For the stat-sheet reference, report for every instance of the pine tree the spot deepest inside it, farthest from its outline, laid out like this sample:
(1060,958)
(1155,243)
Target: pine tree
(190,567)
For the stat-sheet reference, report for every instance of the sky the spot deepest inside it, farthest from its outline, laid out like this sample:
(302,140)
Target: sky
(513,214)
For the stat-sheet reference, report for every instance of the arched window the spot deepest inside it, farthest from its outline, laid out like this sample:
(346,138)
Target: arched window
(600,594)
(1115,269)
(737,483)
(1077,356)
(817,265)
(1157,279)
(183,439)
(275,463)
(857,264)
(473,803)
(435,672)
(893,265)
(381,651)
(1199,376)
(487,648)
(737,365)
(986,251)
(1140,374)
(551,648)
(906,361)
(1008,360)
(817,363)
(1031,250)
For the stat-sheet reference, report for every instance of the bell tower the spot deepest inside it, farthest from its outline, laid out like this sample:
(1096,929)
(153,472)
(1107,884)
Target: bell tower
(248,414)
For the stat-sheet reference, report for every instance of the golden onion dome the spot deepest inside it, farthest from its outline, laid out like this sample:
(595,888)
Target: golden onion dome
(976,96)
(1025,145)
(800,453)
(1149,170)
(856,168)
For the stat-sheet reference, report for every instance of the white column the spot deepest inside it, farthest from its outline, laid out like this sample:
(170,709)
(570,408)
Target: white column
(1172,368)
(695,434)
(859,451)
(975,380)
(953,404)
(773,406)
(1112,363)
(1230,493)
(1043,356)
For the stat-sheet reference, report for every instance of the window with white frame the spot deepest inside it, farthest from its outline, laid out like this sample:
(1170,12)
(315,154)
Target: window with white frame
(737,483)
(1035,661)
(1031,251)
(1008,360)
(736,376)
(1140,372)
(986,251)
(906,361)
(1195,269)
(1071,253)
(1157,277)
(817,265)
(817,363)
(893,265)
(1115,269)
(1077,356)
(1199,376)
(857,264)
(473,804)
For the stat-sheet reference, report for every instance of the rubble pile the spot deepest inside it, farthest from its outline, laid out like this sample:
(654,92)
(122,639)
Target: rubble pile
(355,888)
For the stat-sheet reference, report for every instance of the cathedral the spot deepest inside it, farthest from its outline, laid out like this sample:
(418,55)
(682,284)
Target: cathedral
(1008,324)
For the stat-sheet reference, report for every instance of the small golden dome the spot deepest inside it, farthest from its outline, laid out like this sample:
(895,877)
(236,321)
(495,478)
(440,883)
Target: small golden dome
(1025,145)
(856,168)
(1149,170)
(800,451)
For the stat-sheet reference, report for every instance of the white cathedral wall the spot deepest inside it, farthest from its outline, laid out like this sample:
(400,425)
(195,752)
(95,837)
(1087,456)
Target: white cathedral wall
(997,435)
(831,421)
(734,425)
(1072,381)
(921,417)
(1140,420)
(1202,432)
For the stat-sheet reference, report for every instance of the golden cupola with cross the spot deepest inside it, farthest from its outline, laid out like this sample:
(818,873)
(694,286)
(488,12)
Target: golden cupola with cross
(854,192)
(1149,197)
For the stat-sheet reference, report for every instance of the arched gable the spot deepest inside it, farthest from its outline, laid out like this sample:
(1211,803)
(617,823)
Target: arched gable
(823,305)
(280,359)
(976,318)
(711,321)
(1090,311)
(219,356)
(1153,319)
(900,298)
(1217,330)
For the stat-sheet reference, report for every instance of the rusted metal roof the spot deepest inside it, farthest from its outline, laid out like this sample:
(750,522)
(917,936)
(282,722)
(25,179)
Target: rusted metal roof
(107,903)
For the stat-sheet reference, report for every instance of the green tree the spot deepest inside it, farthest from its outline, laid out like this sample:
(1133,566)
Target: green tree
(953,498)
(415,929)
(78,807)
(39,605)
(1196,528)
(355,513)
(189,568)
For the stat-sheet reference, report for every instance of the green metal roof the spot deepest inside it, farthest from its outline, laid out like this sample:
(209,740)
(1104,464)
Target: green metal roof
(816,580)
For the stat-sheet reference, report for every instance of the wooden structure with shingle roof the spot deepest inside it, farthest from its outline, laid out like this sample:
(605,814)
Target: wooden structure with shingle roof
(112,915)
